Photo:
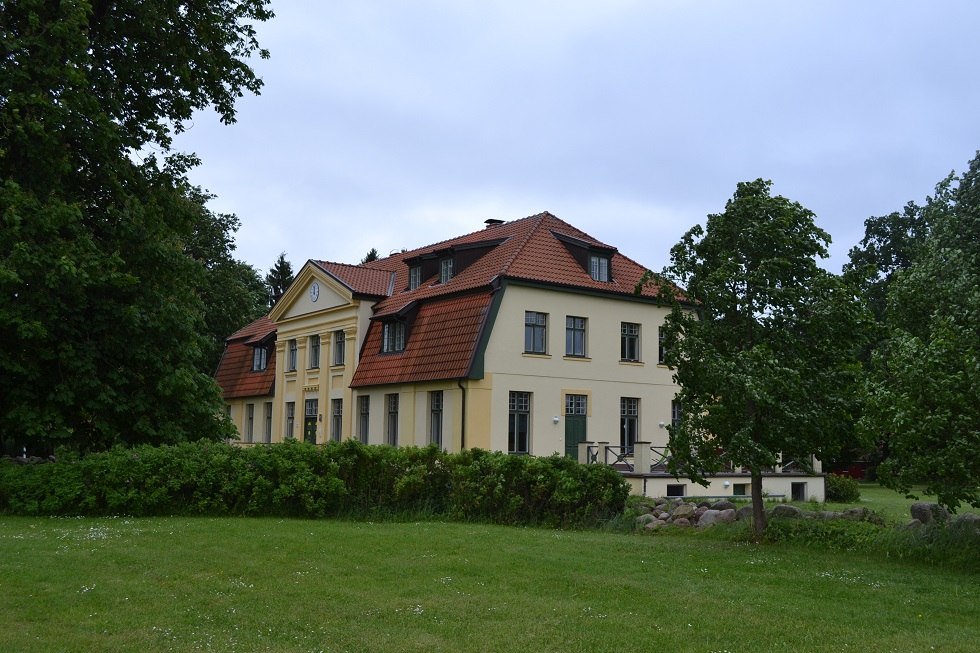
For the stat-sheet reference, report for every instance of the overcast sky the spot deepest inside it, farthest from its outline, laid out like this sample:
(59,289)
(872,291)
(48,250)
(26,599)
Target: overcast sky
(395,124)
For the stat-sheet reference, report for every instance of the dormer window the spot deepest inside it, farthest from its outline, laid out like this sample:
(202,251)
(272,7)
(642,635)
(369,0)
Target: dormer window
(260,358)
(445,270)
(599,267)
(393,337)
(414,277)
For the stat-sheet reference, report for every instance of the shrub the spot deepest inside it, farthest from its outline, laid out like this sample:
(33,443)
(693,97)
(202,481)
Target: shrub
(297,479)
(841,489)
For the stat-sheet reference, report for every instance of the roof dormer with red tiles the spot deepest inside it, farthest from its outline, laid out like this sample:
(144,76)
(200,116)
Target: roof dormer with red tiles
(248,364)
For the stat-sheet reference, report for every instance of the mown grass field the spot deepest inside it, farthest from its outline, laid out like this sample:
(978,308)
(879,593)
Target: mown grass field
(235,584)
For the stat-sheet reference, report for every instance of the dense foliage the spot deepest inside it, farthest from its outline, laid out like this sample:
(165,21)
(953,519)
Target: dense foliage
(764,346)
(841,489)
(925,374)
(302,480)
(107,252)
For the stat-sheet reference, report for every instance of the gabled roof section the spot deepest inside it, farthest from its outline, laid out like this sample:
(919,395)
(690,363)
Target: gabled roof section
(536,249)
(234,373)
(361,279)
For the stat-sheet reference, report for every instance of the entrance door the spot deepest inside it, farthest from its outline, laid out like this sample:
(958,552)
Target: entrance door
(576,410)
(309,420)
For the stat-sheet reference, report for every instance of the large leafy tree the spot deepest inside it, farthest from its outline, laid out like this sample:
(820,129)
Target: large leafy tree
(766,358)
(925,378)
(101,319)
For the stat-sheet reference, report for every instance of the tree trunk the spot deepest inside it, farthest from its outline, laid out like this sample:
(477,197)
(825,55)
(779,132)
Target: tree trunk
(758,508)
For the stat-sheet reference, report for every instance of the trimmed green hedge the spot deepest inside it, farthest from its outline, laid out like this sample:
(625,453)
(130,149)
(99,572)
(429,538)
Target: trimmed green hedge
(296,479)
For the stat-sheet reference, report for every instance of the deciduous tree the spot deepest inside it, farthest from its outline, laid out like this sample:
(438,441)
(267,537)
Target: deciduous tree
(766,359)
(102,328)
(925,377)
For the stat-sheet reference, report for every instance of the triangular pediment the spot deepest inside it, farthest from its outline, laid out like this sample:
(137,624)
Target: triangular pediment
(312,291)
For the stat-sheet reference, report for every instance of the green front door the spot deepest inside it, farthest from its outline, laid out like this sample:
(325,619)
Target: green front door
(310,420)
(576,409)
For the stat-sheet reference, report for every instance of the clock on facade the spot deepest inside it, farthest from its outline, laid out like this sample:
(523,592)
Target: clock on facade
(314,291)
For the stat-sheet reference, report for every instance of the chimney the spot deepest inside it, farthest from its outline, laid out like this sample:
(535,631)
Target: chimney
(492,222)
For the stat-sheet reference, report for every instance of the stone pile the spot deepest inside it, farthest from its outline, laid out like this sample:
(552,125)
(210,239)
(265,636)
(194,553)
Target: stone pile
(657,513)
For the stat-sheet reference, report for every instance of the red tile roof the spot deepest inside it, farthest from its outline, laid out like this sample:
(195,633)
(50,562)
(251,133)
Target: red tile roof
(361,279)
(235,375)
(443,340)
(441,344)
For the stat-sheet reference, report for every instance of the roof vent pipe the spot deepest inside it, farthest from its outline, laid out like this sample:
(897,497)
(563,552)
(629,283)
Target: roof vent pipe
(492,222)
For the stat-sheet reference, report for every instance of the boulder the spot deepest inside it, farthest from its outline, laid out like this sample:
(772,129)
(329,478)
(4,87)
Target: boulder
(912,525)
(683,510)
(744,513)
(682,521)
(656,524)
(786,511)
(929,512)
(967,521)
(856,514)
(717,517)
(645,519)
(723,505)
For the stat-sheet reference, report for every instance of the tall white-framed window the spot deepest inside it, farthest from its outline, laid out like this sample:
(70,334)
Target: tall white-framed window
(675,413)
(290,419)
(414,277)
(519,423)
(575,332)
(364,418)
(661,350)
(339,347)
(336,418)
(435,418)
(629,343)
(391,419)
(629,423)
(292,355)
(249,422)
(535,332)
(267,431)
(314,352)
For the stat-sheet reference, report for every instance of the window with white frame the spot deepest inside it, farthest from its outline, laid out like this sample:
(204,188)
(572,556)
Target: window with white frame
(364,418)
(629,423)
(599,267)
(267,432)
(519,423)
(675,413)
(435,418)
(260,358)
(314,352)
(445,270)
(575,336)
(249,422)
(339,347)
(414,277)
(393,337)
(391,419)
(535,332)
(336,418)
(292,355)
(629,343)
(290,419)
(661,339)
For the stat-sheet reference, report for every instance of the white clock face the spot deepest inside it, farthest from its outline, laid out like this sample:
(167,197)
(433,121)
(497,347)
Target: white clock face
(314,291)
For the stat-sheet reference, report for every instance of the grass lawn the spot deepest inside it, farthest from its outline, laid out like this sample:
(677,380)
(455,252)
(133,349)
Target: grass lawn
(178,584)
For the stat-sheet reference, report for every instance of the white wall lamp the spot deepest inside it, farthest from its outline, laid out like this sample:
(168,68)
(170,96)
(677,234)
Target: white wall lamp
(555,419)
(662,425)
